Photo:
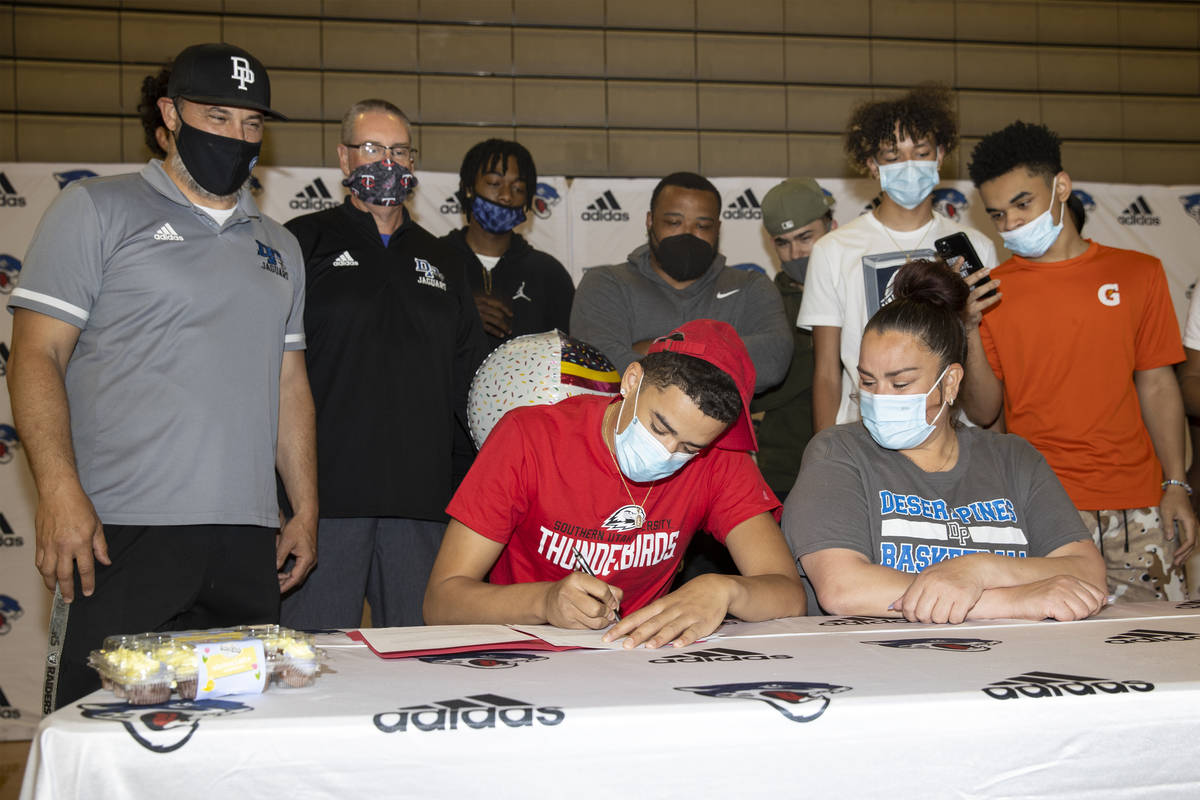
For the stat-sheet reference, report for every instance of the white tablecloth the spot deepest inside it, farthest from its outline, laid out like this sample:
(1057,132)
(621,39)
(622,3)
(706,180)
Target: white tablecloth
(826,706)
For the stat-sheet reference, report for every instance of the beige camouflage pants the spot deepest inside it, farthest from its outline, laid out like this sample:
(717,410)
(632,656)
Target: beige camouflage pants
(1136,554)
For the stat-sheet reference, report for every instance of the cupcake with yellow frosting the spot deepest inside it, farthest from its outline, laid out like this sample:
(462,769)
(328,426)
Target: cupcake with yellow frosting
(298,664)
(144,679)
(180,659)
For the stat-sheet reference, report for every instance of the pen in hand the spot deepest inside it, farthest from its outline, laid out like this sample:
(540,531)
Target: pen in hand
(586,569)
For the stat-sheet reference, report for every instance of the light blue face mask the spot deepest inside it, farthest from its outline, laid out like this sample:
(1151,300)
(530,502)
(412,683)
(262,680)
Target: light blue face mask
(642,457)
(897,421)
(908,183)
(1033,239)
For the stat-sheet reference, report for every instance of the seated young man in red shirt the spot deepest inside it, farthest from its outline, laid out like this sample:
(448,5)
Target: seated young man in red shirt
(622,486)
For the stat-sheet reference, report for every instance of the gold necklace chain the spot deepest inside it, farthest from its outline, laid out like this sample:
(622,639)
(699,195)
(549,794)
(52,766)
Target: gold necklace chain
(953,452)
(899,249)
(641,506)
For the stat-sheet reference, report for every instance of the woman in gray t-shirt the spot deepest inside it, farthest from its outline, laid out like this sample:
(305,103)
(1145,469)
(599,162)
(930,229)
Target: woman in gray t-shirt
(907,513)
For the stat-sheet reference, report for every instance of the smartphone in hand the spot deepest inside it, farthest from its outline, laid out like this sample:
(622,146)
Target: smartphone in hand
(958,245)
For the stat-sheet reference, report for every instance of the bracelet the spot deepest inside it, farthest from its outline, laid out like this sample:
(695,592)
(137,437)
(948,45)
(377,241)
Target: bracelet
(1172,482)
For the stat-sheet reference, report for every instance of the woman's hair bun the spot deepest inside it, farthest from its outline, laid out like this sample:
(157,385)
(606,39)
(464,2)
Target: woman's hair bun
(931,282)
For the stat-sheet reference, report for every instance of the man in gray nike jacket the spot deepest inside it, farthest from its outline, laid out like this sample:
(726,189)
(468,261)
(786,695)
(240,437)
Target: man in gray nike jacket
(679,276)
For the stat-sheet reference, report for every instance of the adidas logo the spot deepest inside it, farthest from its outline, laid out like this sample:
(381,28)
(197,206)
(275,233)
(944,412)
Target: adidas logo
(478,711)
(8,195)
(345,260)
(713,654)
(167,234)
(864,620)
(314,196)
(1051,684)
(746,206)
(3,359)
(6,709)
(450,206)
(9,538)
(1141,636)
(604,208)
(1138,213)
(1189,604)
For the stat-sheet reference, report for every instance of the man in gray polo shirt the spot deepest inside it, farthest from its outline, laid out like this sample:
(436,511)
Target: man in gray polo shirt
(158,380)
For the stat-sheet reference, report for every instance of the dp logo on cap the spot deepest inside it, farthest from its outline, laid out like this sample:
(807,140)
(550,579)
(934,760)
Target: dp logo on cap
(241,72)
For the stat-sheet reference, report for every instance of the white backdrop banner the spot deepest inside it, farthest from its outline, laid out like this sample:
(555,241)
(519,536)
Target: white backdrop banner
(583,222)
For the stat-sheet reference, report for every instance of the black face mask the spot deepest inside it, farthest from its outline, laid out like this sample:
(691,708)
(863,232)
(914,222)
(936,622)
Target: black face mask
(796,268)
(219,164)
(684,257)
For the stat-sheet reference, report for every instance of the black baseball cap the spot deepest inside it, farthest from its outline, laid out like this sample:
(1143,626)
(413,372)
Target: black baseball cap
(221,74)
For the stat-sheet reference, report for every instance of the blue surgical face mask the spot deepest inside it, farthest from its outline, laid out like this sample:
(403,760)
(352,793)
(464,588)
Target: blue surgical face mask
(495,218)
(908,183)
(1034,238)
(642,457)
(897,421)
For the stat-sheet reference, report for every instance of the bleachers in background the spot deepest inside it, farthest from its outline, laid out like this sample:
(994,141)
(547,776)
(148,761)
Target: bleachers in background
(628,87)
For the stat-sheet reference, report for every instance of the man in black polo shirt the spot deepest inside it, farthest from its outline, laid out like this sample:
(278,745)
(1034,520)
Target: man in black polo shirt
(393,341)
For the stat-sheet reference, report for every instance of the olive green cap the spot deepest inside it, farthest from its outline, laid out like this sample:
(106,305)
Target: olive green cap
(793,204)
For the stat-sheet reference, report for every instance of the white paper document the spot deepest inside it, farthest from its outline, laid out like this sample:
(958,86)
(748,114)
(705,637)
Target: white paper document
(438,637)
(566,637)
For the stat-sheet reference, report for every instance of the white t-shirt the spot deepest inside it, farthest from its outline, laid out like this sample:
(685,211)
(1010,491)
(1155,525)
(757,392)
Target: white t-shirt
(489,262)
(836,292)
(219,215)
(1191,328)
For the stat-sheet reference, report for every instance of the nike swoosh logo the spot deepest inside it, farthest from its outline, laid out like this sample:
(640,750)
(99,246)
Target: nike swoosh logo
(723,295)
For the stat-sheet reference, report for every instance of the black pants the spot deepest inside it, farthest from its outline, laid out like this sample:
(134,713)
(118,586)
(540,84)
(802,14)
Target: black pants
(165,578)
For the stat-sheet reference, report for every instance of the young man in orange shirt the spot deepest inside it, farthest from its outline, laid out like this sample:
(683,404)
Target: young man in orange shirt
(1076,348)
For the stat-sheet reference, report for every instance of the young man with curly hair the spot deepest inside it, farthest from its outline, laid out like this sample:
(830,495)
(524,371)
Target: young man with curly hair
(901,143)
(1077,351)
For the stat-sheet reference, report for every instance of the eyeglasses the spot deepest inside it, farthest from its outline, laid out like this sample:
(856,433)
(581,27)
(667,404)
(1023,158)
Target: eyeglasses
(376,150)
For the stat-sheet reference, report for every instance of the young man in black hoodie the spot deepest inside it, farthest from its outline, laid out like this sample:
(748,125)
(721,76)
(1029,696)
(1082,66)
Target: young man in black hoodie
(517,289)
